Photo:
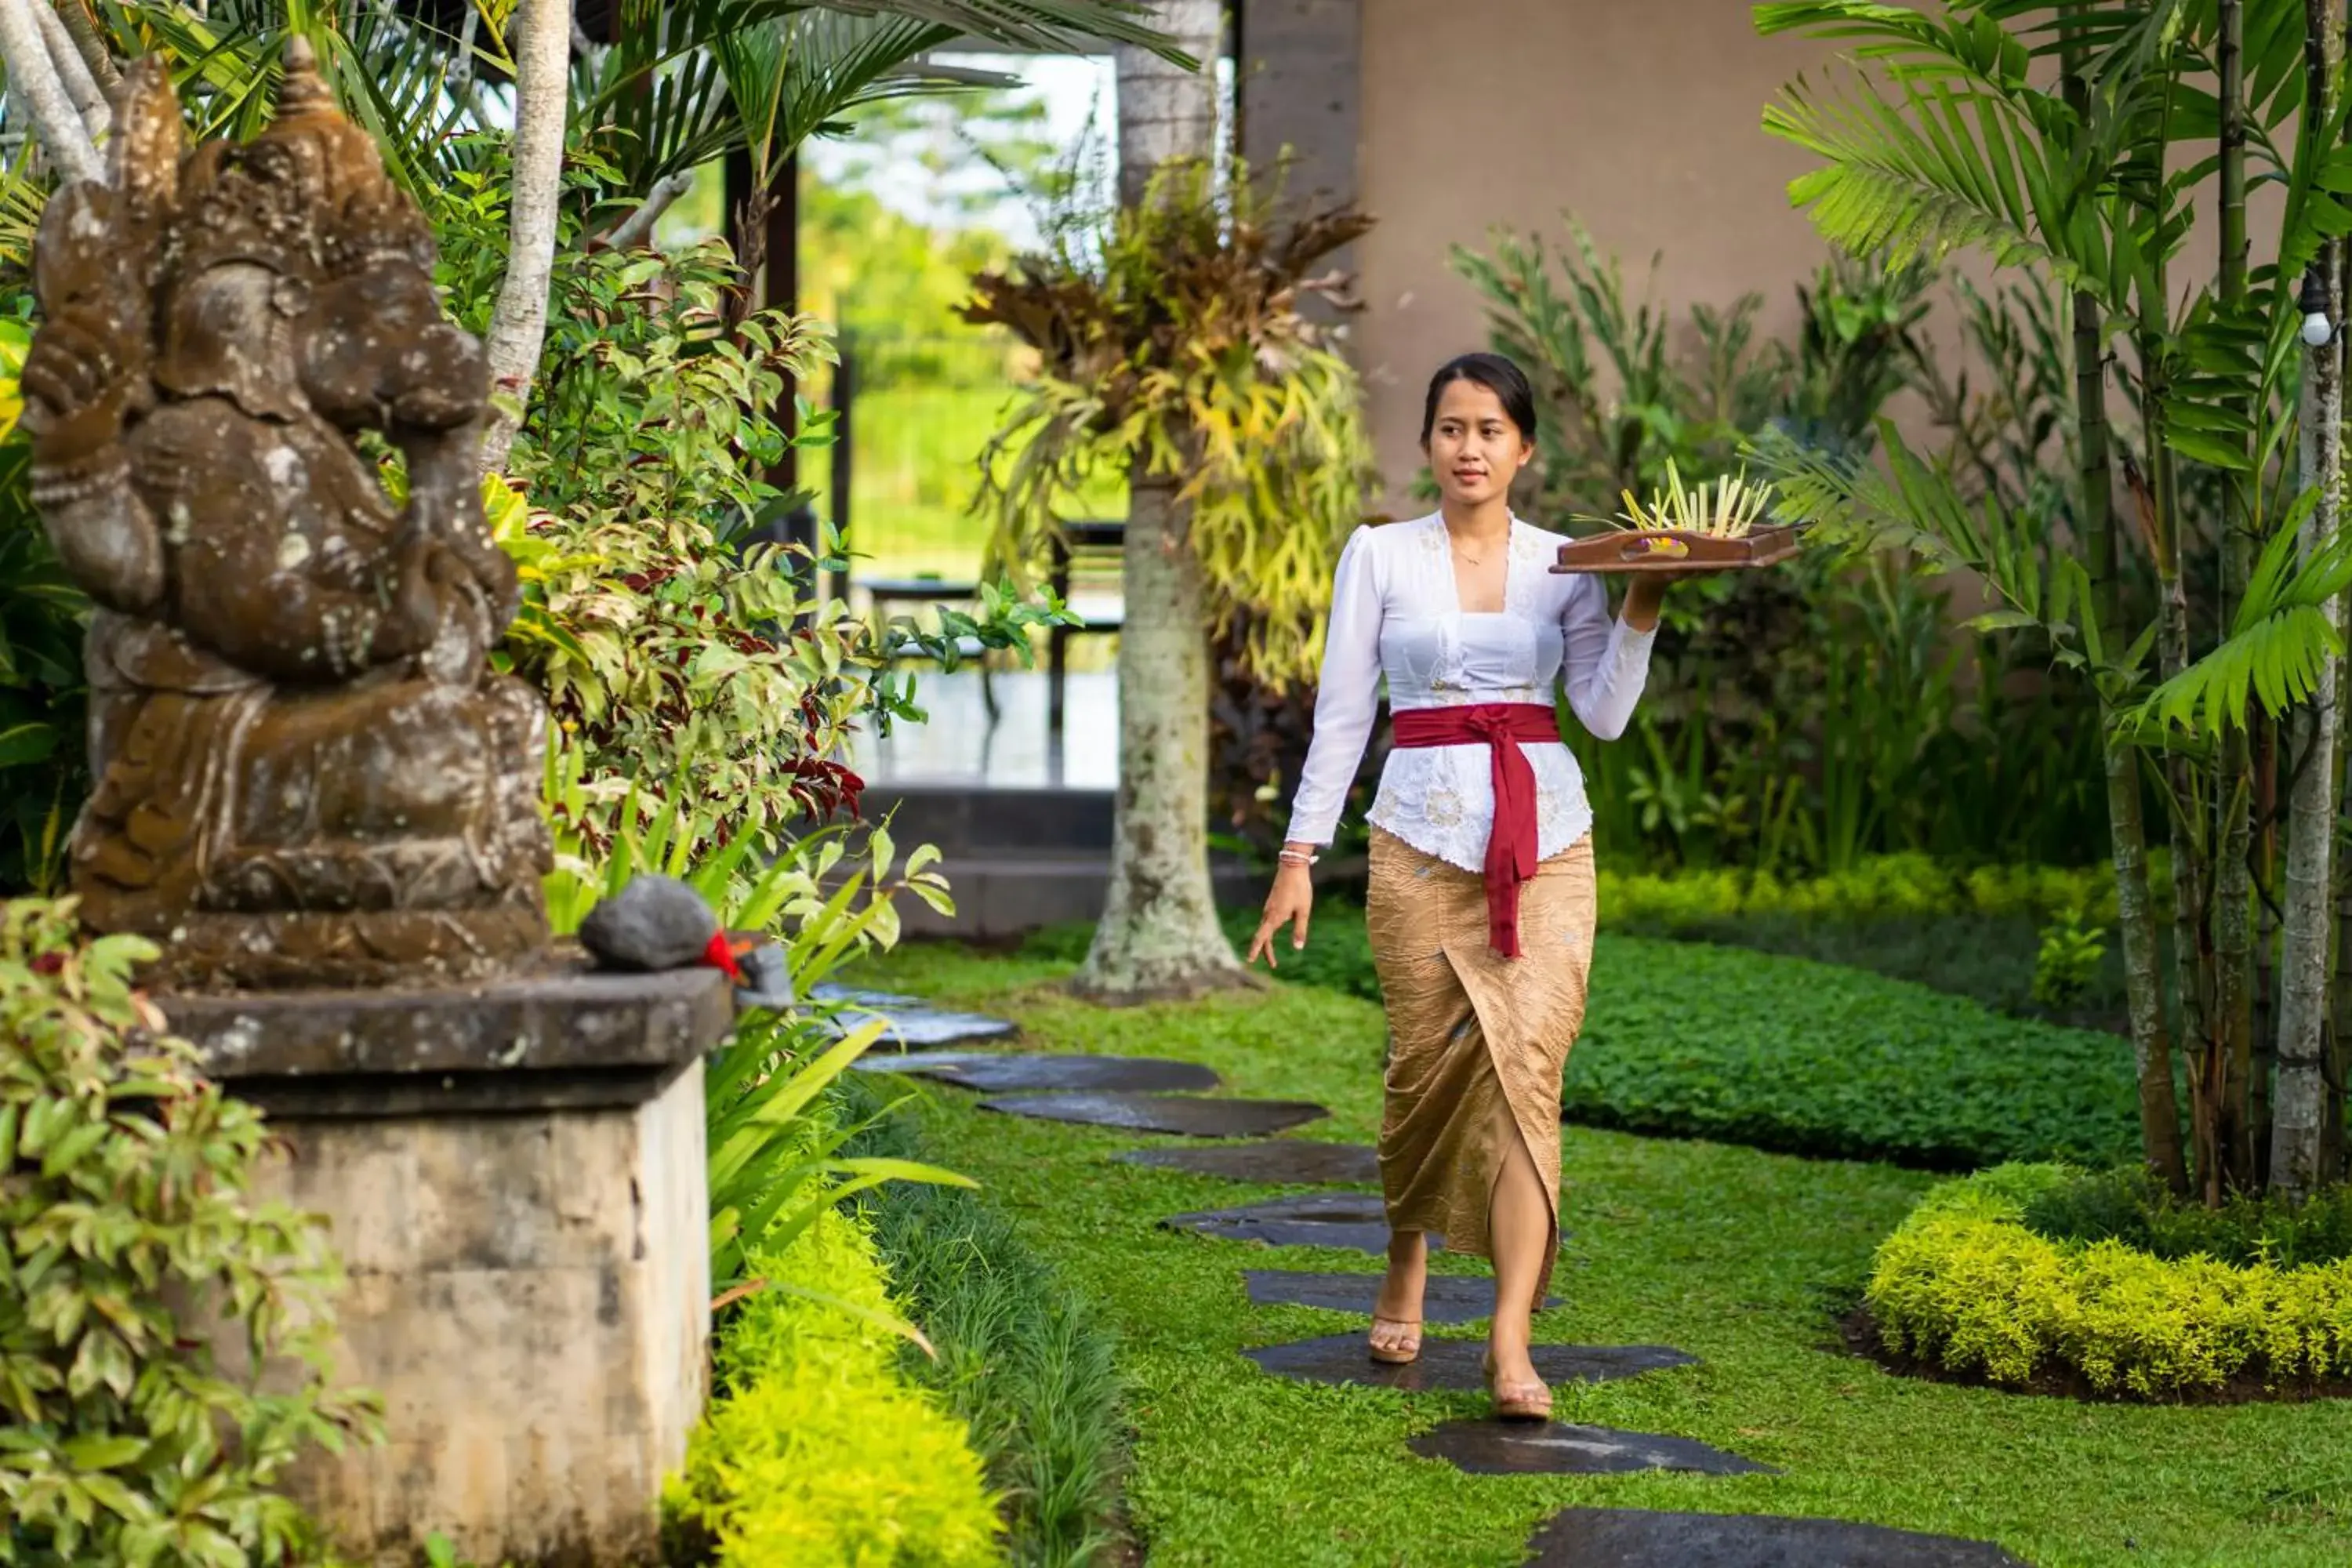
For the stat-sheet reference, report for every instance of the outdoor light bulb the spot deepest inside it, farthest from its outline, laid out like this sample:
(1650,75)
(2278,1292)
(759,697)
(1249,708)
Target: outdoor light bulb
(2316,328)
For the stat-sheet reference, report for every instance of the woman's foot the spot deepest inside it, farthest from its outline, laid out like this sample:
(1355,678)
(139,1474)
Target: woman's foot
(1396,1315)
(1518,1394)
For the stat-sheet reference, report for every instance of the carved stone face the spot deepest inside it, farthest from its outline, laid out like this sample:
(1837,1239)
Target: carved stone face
(230,330)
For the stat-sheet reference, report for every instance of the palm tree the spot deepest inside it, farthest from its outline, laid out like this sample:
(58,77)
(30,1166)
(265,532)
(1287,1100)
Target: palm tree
(1947,139)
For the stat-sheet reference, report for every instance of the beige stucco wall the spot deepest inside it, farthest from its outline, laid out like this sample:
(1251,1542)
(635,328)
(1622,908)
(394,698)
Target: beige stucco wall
(1642,117)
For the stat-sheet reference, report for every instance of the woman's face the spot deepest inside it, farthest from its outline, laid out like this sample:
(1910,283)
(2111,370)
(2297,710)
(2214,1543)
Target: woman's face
(1474,448)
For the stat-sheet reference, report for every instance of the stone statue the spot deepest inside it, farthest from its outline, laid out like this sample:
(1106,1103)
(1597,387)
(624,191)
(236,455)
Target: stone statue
(305,773)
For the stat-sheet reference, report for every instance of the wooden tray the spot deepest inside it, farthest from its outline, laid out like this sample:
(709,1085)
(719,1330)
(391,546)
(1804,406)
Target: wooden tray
(1624,550)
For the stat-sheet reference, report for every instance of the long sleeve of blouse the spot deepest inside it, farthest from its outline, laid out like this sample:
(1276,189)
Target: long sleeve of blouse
(1394,616)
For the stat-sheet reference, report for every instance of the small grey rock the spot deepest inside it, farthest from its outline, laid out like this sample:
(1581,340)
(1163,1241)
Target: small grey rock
(766,976)
(653,922)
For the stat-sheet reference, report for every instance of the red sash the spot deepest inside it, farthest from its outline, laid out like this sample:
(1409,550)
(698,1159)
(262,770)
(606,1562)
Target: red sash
(1511,843)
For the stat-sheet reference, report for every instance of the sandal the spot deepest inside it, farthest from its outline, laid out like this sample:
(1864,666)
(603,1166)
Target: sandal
(1528,1401)
(1403,1354)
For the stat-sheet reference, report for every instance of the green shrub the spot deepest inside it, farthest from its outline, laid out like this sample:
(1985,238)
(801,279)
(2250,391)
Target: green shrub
(1965,1283)
(2129,1206)
(125,1227)
(1694,1040)
(816,1455)
(2067,960)
(1026,1363)
(1782,1053)
(1884,886)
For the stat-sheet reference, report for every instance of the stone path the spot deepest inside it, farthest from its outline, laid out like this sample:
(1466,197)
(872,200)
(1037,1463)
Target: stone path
(996,1072)
(1164,1112)
(1350,1221)
(1454,1364)
(908,1024)
(1636,1538)
(1446,1299)
(1489,1448)
(1285,1162)
(1129,1092)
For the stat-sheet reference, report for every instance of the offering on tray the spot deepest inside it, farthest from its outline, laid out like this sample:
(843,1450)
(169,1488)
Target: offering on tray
(1711,525)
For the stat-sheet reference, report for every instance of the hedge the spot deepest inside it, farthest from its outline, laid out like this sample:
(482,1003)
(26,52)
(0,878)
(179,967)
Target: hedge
(1880,888)
(1022,1359)
(1689,1039)
(1963,1283)
(817,1454)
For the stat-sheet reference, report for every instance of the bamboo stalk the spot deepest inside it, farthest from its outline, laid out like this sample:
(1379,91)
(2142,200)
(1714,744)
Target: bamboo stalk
(2299,1155)
(2233,934)
(2127,832)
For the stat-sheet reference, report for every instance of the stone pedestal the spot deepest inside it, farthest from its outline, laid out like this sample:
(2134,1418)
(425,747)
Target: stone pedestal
(515,1177)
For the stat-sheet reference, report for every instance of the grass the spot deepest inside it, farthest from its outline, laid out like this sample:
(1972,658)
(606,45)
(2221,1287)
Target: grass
(1025,1364)
(1987,958)
(914,454)
(1812,1058)
(1739,1257)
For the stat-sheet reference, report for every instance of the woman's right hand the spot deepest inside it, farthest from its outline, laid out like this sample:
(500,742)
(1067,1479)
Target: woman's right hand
(1288,904)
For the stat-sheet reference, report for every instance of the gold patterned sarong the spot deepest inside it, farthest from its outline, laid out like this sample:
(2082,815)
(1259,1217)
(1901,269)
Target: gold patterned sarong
(1466,1025)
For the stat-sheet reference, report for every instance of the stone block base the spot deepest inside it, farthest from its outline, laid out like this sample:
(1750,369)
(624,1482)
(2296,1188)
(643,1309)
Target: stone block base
(528,1254)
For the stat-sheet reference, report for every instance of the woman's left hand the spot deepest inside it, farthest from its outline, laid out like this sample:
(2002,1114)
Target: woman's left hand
(1647,592)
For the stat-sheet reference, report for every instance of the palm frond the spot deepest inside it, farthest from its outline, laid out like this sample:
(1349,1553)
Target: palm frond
(2279,643)
(1932,169)
(1060,26)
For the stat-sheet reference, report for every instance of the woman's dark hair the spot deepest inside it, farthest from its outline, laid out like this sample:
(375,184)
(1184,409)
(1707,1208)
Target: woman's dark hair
(1498,375)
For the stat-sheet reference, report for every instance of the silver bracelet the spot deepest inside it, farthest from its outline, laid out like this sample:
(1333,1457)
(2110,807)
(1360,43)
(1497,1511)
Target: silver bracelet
(1295,858)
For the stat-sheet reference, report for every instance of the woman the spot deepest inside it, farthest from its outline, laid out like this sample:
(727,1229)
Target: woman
(1482,902)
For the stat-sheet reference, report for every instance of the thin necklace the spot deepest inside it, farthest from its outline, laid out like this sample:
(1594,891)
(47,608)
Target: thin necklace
(1456,544)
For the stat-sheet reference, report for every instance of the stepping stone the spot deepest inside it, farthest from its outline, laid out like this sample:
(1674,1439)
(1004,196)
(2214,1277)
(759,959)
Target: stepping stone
(1286,1161)
(1491,1447)
(1455,1363)
(1357,1220)
(995,1072)
(919,1028)
(849,996)
(1446,1299)
(1163,1113)
(1637,1538)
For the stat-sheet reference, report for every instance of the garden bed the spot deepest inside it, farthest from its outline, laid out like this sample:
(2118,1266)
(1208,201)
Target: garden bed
(1975,1284)
(1858,1334)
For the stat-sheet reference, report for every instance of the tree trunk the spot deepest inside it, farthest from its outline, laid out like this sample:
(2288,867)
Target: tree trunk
(518,324)
(80,84)
(33,75)
(1166,113)
(2189,965)
(2233,934)
(1159,935)
(2160,1111)
(2299,1108)
(89,46)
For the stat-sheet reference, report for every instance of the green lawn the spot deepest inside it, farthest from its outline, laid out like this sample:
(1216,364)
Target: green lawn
(914,454)
(1737,1255)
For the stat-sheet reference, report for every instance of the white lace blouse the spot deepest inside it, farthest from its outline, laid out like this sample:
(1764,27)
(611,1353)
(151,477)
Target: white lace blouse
(1395,613)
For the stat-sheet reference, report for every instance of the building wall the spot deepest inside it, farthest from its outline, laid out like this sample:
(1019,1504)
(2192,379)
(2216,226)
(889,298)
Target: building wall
(1641,117)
